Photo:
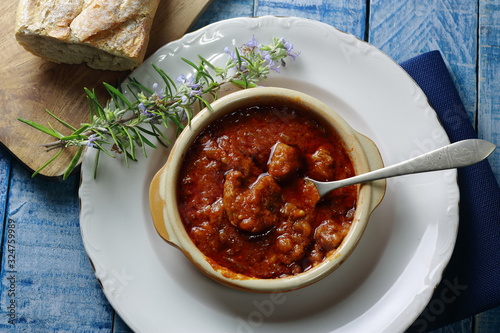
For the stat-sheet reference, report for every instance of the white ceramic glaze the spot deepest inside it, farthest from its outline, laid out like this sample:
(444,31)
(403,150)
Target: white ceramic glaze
(388,279)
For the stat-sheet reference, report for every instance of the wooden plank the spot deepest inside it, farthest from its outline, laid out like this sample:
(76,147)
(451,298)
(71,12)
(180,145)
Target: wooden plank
(488,321)
(463,326)
(489,78)
(119,326)
(35,84)
(348,16)
(5,162)
(404,29)
(225,9)
(46,277)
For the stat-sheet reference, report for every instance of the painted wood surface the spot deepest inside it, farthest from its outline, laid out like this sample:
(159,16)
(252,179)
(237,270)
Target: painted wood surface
(404,29)
(348,16)
(488,111)
(55,286)
(45,273)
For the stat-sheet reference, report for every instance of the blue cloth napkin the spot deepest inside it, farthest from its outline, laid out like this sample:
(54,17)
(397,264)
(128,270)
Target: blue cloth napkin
(471,281)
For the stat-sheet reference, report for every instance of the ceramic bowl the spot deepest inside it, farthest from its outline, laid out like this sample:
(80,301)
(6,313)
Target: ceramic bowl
(163,199)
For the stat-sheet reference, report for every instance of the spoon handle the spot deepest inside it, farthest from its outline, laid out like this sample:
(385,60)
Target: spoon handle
(456,155)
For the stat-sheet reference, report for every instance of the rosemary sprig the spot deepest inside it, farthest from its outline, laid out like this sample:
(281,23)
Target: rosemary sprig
(125,125)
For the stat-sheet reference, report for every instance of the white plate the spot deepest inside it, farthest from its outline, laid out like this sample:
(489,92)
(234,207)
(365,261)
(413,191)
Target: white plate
(389,278)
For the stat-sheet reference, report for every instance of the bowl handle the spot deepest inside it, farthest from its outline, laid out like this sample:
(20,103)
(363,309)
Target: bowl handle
(156,207)
(374,162)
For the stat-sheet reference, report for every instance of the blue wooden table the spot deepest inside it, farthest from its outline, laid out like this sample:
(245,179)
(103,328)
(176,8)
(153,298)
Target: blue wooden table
(48,284)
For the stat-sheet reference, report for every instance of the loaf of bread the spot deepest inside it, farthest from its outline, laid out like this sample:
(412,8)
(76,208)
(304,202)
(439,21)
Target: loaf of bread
(105,34)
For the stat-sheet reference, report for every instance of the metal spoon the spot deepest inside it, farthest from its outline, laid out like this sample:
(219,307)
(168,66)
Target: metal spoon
(456,155)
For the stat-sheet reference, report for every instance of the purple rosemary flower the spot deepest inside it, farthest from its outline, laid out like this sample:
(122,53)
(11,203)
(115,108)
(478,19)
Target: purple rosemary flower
(159,93)
(195,88)
(289,48)
(271,63)
(252,43)
(142,108)
(90,142)
(151,117)
(182,79)
(145,111)
(232,54)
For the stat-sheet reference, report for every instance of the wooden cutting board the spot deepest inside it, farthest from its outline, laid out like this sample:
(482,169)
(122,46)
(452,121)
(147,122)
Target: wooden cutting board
(29,84)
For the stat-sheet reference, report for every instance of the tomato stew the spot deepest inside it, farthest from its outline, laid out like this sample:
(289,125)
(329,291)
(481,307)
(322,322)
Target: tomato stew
(243,198)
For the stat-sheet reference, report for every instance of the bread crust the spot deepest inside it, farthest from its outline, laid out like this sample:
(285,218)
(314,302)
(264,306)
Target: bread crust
(105,34)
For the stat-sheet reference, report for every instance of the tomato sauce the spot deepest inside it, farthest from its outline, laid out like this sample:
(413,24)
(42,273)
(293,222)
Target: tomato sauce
(243,198)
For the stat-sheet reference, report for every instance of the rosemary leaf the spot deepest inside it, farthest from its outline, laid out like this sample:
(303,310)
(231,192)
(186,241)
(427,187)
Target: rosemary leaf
(117,95)
(207,63)
(192,64)
(48,162)
(96,163)
(60,120)
(169,83)
(101,148)
(130,140)
(146,131)
(205,102)
(96,106)
(143,139)
(143,142)
(41,128)
(74,163)
(81,129)
(161,136)
(138,85)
